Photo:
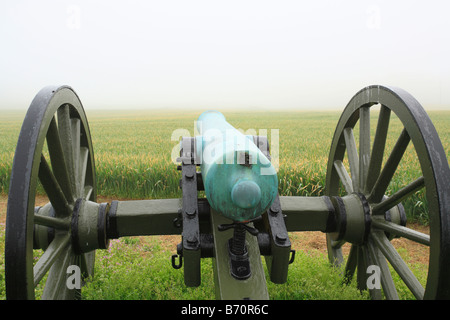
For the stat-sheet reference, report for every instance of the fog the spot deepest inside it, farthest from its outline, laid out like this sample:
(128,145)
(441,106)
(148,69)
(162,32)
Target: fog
(264,55)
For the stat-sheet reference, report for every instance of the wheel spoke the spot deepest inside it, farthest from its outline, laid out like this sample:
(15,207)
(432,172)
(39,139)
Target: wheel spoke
(352,154)
(55,248)
(372,257)
(88,192)
(87,264)
(350,266)
(397,197)
(385,274)
(337,244)
(52,222)
(56,286)
(84,155)
(75,125)
(52,188)
(58,161)
(344,176)
(334,252)
(65,134)
(362,264)
(379,144)
(401,231)
(364,145)
(398,264)
(390,167)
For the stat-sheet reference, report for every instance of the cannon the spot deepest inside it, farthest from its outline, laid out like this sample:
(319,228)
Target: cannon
(241,218)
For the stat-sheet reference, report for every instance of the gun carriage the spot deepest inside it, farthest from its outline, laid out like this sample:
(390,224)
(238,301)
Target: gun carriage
(241,217)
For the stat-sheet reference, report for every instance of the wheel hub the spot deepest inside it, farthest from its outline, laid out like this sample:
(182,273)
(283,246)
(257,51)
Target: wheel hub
(353,218)
(87,226)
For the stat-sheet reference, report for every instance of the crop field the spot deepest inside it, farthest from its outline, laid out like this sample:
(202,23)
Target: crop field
(134,150)
(134,153)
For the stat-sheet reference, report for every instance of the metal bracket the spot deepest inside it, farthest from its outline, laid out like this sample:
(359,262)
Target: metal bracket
(191,249)
(292,259)
(237,250)
(239,263)
(280,251)
(180,261)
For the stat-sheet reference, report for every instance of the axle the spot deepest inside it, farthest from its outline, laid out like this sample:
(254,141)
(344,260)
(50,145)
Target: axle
(93,224)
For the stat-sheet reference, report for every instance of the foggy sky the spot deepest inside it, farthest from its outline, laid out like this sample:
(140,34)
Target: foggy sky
(223,54)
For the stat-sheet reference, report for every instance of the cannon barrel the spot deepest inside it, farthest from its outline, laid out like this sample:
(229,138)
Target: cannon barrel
(239,180)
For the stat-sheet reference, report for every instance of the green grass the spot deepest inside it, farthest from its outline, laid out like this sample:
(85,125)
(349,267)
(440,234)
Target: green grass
(138,268)
(129,270)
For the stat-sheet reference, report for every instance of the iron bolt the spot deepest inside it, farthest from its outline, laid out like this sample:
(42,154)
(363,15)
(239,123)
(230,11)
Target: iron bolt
(192,240)
(190,212)
(241,269)
(281,237)
(189,175)
(274,210)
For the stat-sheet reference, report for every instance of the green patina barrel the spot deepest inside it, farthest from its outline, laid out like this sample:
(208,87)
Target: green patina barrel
(239,180)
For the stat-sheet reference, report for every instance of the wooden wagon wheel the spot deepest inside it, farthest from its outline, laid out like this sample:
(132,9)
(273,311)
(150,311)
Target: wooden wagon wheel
(370,230)
(54,148)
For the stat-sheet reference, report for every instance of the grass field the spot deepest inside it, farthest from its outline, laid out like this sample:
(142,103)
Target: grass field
(133,161)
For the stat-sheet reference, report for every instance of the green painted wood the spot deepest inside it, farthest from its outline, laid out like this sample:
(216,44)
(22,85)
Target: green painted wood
(305,213)
(58,161)
(352,154)
(65,132)
(344,176)
(387,283)
(390,167)
(57,246)
(53,189)
(364,145)
(379,144)
(227,287)
(147,217)
(398,264)
(401,231)
(397,197)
